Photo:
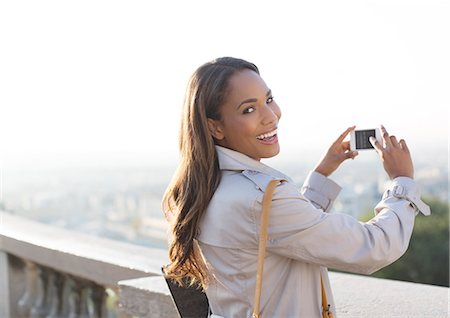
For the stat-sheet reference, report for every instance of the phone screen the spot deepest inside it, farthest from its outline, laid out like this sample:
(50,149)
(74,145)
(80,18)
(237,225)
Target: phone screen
(362,138)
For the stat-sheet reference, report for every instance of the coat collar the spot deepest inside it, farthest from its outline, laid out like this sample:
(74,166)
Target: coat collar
(236,161)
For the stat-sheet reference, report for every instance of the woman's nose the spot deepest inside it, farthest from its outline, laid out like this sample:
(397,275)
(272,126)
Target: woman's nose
(271,115)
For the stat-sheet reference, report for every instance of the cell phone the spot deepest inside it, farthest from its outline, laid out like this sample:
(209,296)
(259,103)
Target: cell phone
(359,139)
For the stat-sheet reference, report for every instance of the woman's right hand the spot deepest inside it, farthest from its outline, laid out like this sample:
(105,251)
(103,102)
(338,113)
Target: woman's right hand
(395,155)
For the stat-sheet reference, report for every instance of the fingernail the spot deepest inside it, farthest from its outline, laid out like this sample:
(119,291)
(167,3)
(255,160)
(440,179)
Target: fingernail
(372,139)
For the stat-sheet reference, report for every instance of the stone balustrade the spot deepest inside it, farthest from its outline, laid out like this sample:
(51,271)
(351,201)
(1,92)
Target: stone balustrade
(51,272)
(47,271)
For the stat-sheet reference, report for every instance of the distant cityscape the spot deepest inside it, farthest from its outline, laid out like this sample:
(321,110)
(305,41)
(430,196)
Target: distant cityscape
(125,203)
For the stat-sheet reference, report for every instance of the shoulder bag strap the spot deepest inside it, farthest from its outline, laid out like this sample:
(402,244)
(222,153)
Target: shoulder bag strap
(263,235)
(326,313)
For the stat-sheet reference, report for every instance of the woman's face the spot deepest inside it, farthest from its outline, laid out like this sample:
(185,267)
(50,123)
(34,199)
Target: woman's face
(249,117)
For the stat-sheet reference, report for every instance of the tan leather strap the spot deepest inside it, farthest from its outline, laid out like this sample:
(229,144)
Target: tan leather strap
(326,313)
(263,234)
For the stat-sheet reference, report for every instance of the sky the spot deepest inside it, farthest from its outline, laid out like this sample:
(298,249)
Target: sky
(102,82)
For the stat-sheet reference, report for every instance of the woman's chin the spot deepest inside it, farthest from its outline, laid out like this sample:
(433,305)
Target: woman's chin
(269,153)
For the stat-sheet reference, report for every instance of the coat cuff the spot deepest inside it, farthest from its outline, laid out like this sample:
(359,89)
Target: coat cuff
(320,190)
(404,188)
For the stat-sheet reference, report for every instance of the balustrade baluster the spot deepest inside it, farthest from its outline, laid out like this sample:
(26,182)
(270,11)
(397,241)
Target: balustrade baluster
(39,308)
(74,299)
(55,294)
(99,301)
(27,300)
(85,300)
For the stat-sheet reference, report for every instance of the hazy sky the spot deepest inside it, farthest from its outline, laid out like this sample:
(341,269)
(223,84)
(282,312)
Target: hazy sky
(102,81)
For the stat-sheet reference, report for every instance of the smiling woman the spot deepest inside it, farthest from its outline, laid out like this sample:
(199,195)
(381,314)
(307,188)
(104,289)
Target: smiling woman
(250,127)
(214,203)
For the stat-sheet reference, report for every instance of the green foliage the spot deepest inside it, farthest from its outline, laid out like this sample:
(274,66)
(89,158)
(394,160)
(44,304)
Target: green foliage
(427,258)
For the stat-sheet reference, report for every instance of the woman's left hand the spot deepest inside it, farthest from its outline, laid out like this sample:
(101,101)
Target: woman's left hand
(336,154)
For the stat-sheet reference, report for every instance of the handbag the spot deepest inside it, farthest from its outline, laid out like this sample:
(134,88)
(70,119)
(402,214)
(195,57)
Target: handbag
(263,236)
(190,302)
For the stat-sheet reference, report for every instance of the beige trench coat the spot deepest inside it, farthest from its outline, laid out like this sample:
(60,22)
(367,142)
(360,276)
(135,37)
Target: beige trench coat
(303,239)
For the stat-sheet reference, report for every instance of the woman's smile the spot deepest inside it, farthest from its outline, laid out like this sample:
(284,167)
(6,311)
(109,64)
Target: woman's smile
(249,117)
(269,138)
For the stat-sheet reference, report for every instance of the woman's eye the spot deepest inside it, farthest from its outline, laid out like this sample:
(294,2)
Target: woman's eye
(249,110)
(269,100)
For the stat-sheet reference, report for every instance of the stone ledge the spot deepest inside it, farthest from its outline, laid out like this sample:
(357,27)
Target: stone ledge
(355,296)
(101,260)
(147,297)
(364,296)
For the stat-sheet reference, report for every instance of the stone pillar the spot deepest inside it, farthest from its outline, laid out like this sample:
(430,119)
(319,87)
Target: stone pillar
(4,286)
(12,284)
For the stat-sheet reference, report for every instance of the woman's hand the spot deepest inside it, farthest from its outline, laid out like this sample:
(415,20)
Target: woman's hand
(336,154)
(395,155)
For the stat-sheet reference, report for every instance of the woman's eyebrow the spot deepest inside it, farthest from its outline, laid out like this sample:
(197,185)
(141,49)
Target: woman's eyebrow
(253,100)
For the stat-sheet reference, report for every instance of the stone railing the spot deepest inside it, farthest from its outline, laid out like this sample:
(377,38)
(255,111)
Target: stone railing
(355,297)
(47,271)
(51,272)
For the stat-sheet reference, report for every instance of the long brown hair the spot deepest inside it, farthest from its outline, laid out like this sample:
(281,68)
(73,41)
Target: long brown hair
(198,174)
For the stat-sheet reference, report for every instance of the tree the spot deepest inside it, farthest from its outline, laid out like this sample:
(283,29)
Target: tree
(427,258)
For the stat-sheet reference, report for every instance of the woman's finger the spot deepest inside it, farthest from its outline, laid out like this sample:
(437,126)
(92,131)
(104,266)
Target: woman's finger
(346,145)
(394,141)
(404,146)
(344,134)
(350,154)
(385,135)
(376,144)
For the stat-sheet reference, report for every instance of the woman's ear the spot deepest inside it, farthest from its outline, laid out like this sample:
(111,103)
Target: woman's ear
(215,128)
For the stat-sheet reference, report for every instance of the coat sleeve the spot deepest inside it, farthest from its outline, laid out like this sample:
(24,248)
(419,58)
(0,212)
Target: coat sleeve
(320,190)
(298,229)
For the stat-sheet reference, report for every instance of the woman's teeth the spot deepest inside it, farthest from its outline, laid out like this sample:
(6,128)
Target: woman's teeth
(268,135)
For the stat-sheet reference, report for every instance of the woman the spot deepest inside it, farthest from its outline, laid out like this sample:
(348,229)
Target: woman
(229,123)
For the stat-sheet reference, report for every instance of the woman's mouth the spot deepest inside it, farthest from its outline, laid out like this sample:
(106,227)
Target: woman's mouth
(268,138)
